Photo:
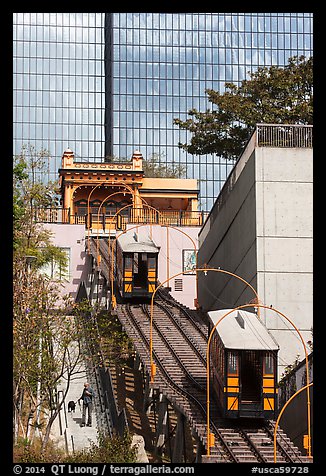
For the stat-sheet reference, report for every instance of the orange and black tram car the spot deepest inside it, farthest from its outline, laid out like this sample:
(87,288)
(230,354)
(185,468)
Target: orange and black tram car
(136,265)
(243,365)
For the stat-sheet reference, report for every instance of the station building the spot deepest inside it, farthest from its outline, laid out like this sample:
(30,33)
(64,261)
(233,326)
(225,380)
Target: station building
(102,200)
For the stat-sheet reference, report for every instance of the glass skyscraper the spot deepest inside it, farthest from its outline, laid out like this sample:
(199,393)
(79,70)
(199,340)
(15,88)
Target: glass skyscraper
(105,84)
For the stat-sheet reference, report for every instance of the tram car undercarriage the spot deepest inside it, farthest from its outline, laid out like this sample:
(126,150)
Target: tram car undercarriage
(136,265)
(243,363)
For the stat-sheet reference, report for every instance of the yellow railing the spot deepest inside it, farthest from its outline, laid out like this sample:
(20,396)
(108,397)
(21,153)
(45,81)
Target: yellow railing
(139,215)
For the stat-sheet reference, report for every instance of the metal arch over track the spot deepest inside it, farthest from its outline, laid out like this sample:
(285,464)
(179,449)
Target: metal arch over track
(180,341)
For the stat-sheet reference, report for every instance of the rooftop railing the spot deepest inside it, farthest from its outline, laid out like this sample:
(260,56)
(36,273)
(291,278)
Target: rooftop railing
(284,135)
(264,135)
(134,215)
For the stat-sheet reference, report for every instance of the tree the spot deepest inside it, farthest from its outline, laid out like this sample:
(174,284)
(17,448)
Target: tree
(49,342)
(35,325)
(31,193)
(279,95)
(153,167)
(46,353)
(117,345)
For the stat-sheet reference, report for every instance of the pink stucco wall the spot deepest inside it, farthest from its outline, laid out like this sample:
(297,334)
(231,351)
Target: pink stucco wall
(73,237)
(170,262)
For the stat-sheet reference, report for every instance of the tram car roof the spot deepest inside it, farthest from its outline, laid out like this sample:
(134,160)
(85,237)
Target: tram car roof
(133,242)
(242,330)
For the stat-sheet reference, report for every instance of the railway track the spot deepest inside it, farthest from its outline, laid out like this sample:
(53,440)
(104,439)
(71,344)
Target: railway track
(179,343)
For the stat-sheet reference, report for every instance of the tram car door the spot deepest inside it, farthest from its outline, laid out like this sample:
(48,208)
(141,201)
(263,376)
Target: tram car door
(136,266)
(243,361)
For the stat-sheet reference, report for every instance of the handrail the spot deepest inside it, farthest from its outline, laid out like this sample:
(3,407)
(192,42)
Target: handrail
(284,135)
(138,214)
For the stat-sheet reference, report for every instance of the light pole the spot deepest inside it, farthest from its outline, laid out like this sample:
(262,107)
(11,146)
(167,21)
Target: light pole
(98,220)
(146,224)
(209,434)
(281,413)
(105,184)
(88,215)
(113,298)
(205,270)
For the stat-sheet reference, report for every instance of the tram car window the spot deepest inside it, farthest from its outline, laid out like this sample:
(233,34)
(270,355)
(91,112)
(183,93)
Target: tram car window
(136,265)
(243,365)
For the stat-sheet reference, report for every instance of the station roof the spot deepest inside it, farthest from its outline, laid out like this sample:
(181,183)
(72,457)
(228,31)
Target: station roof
(242,330)
(169,184)
(134,242)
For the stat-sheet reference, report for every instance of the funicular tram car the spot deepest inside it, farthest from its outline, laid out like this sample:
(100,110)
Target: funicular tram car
(243,365)
(136,265)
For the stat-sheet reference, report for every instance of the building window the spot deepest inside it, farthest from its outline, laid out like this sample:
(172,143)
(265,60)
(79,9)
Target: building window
(269,364)
(232,363)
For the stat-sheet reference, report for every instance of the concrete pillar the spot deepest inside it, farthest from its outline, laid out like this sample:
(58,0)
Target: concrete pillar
(137,206)
(193,204)
(199,448)
(72,205)
(162,429)
(67,159)
(67,194)
(137,362)
(93,290)
(148,395)
(179,449)
(137,161)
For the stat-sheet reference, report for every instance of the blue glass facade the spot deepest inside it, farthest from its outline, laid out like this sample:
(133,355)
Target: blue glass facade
(107,84)
(59,84)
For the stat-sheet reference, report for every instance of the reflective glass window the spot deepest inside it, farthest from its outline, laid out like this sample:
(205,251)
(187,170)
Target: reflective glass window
(61,63)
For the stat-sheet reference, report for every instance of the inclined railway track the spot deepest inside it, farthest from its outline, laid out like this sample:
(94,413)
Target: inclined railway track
(179,351)
(180,344)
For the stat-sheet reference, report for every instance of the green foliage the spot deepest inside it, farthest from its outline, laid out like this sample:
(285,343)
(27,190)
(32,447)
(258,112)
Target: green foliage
(41,334)
(282,95)
(153,167)
(29,194)
(83,308)
(107,450)
(25,452)
(118,346)
(19,174)
(288,369)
